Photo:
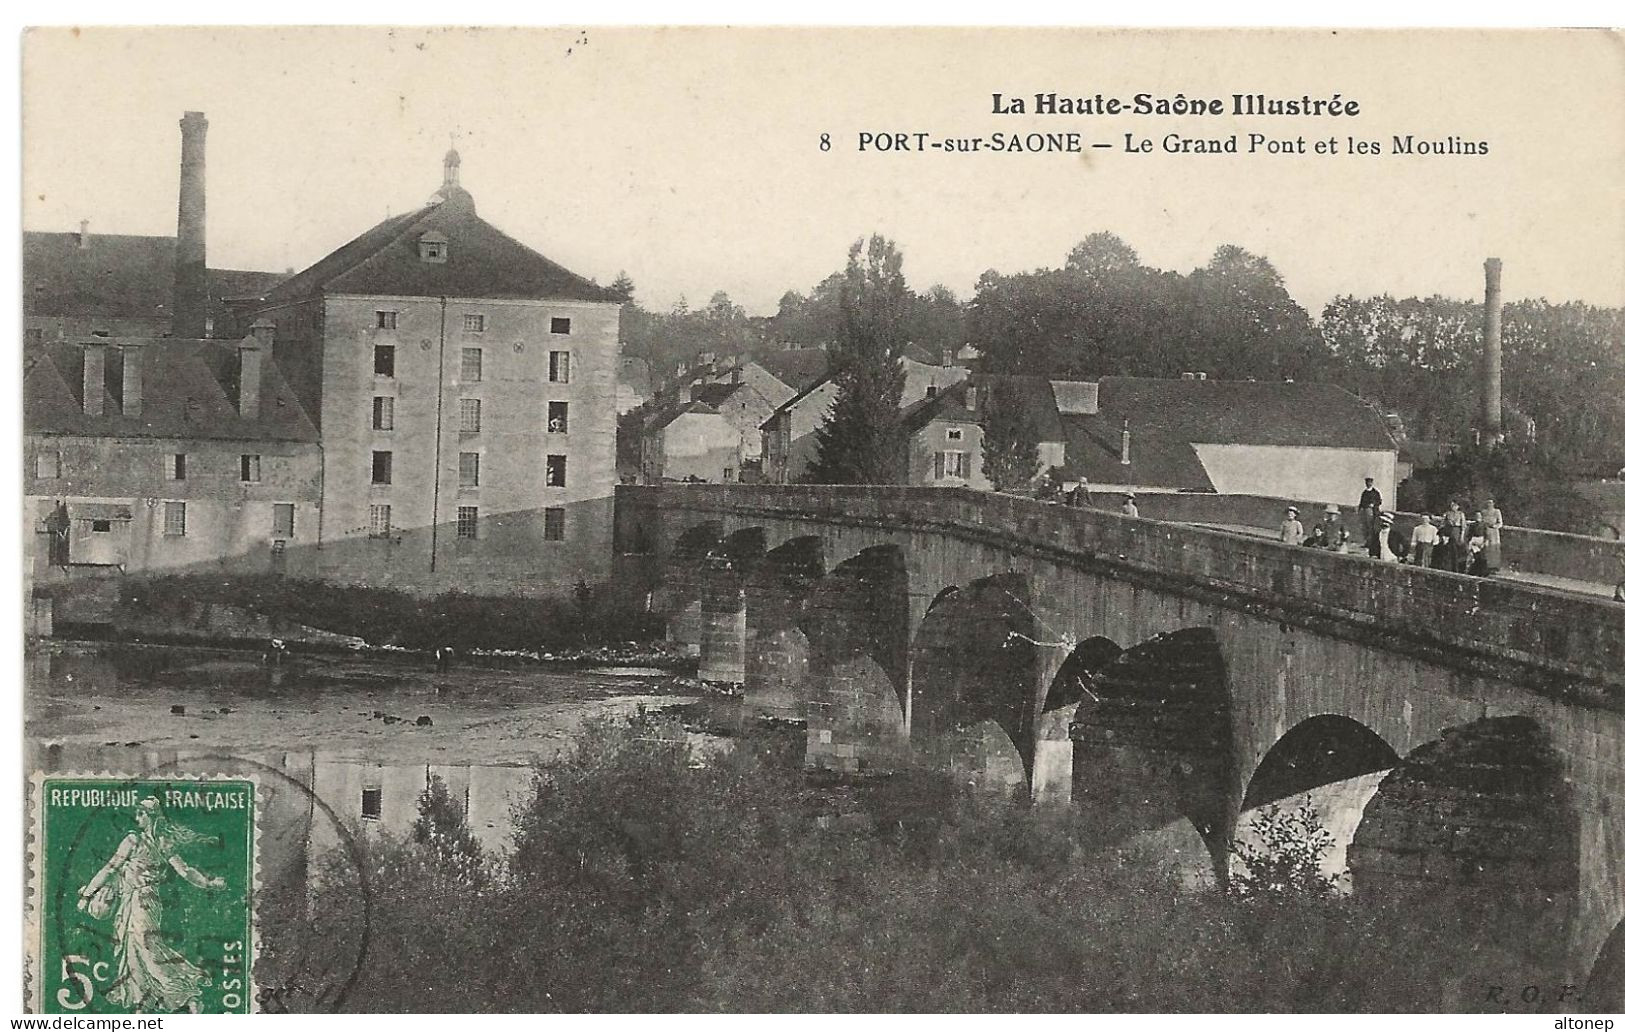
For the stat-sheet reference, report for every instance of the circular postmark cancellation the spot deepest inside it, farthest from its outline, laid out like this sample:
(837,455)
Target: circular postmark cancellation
(146,896)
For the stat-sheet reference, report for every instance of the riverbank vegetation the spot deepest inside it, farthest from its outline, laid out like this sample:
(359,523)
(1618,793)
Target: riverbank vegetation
(645,878)
(381,616)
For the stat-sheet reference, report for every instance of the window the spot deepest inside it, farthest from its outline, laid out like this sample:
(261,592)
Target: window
(473,364)
(386,320)
(473,324)
(175,469)
(372,804)
(950,464)
(48,464)
(560,326)
(282,520)
(383,360)
(468,469)
(956,433)
(378,521)
(174,519)
(558,366)
(383,467)
(553,524)
(101,526)
(383,413)
(432,247)
(250,469)
(558,417)
(931,391)
(468,522)
(727,474)
(468,415)
(555,471)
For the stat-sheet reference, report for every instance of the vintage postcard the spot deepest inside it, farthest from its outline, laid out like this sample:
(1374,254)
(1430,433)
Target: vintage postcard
(823,520)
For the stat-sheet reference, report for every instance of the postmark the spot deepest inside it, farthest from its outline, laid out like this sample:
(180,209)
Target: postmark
(143,892)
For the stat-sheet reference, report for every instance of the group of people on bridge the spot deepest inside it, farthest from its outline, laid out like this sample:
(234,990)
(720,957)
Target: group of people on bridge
(1451,541)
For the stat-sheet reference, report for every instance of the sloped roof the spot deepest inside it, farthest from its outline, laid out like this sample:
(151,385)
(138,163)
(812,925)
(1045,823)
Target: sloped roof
(715,394)
(117,276)
(1033,393)
(798,368)
(800,396)
(1167,417)
(189,392)
(666,417)
(481,261)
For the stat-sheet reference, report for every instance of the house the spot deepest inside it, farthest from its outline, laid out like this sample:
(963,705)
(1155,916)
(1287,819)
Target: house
(169,454)
(690,441)
(1309,441)
(789,442)
(465,389)
(946,429)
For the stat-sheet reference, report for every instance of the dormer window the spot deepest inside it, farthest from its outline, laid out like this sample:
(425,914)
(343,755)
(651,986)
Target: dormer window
(432,247)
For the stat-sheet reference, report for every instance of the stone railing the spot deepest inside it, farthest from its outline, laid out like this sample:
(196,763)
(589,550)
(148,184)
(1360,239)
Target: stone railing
(1562,636)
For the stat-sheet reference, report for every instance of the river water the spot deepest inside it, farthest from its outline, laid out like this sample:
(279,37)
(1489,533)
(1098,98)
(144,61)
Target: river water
(341,745)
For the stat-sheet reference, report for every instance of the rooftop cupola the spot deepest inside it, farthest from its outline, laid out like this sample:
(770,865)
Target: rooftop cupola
(451,183)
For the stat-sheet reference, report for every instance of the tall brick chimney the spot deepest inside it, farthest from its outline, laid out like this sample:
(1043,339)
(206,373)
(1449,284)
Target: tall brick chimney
(191,270)
(1122,450)
(1491,416)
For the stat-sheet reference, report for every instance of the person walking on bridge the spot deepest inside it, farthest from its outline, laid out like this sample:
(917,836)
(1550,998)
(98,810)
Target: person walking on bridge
(1291,529)
(1423,538)
(1370,510)
(1493,522)
(1455,522)
(1129,508)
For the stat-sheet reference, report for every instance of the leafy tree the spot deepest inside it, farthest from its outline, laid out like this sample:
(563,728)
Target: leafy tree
(862,441)
(1285,863)
(1522,476)
(442,825)
(1101,255)
(1009,441)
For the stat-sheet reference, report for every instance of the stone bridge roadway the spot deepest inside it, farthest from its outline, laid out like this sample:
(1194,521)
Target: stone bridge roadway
(1144,672)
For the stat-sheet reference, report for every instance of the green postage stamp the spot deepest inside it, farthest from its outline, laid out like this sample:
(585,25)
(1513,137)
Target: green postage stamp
(143,892)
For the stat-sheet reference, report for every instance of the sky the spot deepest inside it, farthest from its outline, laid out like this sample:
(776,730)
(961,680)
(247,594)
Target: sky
(690,158)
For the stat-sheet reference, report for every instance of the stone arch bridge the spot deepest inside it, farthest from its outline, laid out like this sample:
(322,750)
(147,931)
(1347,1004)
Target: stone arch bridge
(1144,672)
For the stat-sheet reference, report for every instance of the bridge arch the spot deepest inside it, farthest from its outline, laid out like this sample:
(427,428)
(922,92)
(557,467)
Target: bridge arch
(677,594)
(974,674)
(1482,823)
(856,622)
(1154,743)
(777,590)
(1052,739)
(1605,988)
(722,604)
(1338,761)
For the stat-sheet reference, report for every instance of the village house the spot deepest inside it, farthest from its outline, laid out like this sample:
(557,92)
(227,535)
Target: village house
(689,442)
(789,440)
(946,429)
(166,454)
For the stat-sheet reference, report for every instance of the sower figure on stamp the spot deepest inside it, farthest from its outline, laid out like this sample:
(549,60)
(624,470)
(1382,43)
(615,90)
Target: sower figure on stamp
(151,977)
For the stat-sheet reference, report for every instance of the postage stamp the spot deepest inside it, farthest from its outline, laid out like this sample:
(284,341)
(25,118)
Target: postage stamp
(143,894)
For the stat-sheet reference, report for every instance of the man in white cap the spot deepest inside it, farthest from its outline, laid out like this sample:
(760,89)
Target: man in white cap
(1291,529)
(1129,508)
(1385,526)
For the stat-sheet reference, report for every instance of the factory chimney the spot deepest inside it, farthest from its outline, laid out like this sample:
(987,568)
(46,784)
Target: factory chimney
(191,308)
(1491,416)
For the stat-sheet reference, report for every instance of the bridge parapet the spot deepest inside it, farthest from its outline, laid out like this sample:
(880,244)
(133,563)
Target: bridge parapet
(1569,645)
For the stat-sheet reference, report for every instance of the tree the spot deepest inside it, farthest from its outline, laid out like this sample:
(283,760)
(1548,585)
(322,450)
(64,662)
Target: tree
(1009,441)
(862,441)
(1286,861)
(442,825)
(1102,254)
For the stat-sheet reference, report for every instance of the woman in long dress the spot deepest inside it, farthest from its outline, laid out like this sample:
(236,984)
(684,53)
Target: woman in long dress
(151,977)
(1493,522)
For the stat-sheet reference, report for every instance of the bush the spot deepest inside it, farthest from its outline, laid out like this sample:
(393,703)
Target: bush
(648,878)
